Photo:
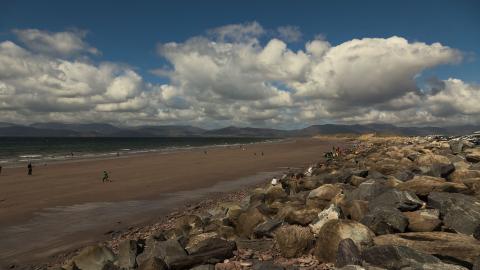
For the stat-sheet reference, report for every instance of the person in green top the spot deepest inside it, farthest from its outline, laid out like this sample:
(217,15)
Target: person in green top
(105,177)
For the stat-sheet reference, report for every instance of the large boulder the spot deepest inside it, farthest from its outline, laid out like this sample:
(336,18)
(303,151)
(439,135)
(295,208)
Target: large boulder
(385,220)
(325,192)
(293,240)
(247,221)
(153,264)
(95,257)
(367,190)
(402,200)
(435,165)
(401,257)
(336,230)
(426,220)
(459,212)
(127,254)
(473,155)
(275,193)
(458,175)
(302,216)
(330,213)
(422,185)
(450,247)
(170,251)
(189,224)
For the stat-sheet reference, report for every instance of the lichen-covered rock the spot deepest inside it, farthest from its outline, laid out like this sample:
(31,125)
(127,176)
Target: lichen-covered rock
(336,230)
(330,213)
(293,240)
(325,192)
(247,221)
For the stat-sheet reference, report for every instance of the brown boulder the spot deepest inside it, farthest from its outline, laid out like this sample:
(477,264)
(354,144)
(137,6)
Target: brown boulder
(336,230)
(423,220)
(447,245)
(293,240)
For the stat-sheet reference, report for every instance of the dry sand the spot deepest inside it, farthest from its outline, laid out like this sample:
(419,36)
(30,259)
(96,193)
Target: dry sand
(138,177)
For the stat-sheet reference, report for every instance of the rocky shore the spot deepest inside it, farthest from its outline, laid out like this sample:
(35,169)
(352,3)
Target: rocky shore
(386,203)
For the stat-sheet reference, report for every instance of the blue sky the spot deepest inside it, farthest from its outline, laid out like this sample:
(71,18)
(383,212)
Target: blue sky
(127,32)
(348,62)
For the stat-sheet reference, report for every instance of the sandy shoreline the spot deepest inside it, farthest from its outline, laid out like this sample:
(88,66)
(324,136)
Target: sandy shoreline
(137,178)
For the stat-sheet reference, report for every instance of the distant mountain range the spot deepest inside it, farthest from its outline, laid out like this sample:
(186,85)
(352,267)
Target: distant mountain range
(107,130)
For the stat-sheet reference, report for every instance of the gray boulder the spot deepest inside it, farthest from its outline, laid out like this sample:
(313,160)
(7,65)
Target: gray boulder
(459,212)
(385,220)
(402,200)
(401,257)
(347,253)
(450,247)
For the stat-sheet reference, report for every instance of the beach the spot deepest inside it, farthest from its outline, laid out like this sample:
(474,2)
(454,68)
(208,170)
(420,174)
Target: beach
(27,201)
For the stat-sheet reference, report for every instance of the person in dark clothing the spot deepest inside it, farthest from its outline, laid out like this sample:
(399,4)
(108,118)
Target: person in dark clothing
(30,168)
(0,169)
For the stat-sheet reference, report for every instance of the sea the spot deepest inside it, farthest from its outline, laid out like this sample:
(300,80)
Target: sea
(16,151)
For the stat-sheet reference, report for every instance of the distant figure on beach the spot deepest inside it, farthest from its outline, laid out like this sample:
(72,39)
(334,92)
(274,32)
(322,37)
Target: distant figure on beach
(71,154)
(0,169)
(205,152)
(262,154)
(30,168)
(105,177)
(254,153)
(118,154)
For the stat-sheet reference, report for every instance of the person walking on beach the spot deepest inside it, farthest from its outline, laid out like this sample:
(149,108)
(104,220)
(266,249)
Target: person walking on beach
(30,168)
(0,169)
(105,177)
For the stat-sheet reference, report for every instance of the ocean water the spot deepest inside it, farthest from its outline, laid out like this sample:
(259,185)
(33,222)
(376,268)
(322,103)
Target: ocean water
(15,151)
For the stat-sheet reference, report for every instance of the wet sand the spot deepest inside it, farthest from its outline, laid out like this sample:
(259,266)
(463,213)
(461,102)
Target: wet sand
(64,205)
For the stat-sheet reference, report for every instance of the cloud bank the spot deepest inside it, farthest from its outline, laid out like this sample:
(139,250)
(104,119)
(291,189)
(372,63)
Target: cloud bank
(235,75)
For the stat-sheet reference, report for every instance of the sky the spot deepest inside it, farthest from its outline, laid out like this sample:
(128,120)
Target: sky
(281,64)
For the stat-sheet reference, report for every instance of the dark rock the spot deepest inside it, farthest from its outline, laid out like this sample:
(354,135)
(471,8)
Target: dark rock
(293,241)
(127,253)
(402,200)
(367,190)
(347,253)
(336,230)
(404,175)
(360,173)
(385,220)
(401,257)
(450,247)
(204,267)
(476,264)
(459,212)
(266,228)
(259,265)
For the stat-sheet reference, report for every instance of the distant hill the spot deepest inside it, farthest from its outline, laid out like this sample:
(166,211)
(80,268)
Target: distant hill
(108,130)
